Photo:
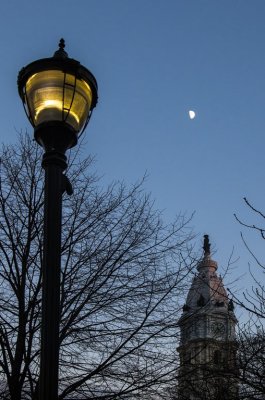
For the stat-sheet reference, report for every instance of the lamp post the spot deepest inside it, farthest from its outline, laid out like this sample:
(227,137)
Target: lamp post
(58,95)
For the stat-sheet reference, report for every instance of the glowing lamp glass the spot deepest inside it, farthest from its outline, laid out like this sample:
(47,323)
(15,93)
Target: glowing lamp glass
(54,95)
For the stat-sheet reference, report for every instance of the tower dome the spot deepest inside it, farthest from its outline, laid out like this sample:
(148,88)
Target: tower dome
(207,290)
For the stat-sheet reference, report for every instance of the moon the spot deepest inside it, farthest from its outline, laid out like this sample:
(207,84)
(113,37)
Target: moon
(192,114)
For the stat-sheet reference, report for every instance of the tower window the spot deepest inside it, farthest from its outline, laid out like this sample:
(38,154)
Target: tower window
(201,301)
(219,304)
(187,358)
(217,357)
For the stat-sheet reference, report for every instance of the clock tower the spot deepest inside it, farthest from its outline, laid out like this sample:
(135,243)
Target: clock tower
(208,346)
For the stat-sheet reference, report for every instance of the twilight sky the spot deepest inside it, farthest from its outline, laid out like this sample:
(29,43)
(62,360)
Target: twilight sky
(155,60)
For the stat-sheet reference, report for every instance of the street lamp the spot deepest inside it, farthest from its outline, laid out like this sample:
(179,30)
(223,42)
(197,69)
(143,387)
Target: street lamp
(58,95)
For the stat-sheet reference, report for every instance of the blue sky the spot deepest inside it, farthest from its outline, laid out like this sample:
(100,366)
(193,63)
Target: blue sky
(154,61)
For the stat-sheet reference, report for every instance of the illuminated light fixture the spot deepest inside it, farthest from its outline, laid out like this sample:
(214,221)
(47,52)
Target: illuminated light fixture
(59,95)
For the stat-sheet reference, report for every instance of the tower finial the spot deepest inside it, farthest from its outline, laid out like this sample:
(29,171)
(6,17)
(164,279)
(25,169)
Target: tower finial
(61,52)
(206,245)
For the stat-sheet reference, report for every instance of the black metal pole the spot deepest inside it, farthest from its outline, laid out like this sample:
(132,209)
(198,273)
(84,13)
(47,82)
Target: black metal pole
(54,164)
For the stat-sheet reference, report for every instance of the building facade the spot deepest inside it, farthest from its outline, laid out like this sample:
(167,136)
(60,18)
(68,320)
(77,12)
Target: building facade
(207,351)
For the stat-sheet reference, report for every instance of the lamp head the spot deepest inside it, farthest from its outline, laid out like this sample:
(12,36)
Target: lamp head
(59,95)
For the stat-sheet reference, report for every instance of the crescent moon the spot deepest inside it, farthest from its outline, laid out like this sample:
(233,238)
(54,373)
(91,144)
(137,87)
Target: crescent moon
(192,114)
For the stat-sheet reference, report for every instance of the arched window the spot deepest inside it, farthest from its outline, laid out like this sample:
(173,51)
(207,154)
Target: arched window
(187,358)
(217,357)
(201,301)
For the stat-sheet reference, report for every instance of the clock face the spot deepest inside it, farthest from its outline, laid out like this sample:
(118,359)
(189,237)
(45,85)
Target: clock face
(217,328)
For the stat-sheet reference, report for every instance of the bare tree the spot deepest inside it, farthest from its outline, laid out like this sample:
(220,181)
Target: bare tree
(254,297)
(123,272)
(251,361)
(251,336)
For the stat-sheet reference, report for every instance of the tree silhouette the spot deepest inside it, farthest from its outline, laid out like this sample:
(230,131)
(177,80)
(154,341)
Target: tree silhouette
(251,336)
(123,271)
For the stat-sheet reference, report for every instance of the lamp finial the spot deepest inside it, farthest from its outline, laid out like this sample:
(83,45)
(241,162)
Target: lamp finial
(62,44)
(61,53)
